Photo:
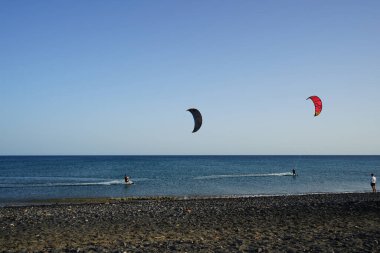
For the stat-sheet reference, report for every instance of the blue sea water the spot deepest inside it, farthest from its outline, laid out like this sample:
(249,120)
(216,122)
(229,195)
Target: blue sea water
(24,178)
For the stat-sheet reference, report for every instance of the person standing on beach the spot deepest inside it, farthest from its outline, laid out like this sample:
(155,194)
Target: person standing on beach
(373,183)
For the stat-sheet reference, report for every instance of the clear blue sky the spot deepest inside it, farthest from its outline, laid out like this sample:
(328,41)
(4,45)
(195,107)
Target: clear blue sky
(116,77)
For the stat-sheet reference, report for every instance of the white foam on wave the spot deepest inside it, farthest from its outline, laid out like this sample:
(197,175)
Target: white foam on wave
(73,182)
(62,184)
(113,182)
(280,174)
(45,178)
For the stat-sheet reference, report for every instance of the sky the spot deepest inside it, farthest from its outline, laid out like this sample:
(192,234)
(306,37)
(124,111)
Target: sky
(116,77)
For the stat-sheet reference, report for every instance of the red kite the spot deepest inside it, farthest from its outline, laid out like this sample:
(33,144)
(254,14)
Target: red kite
(317,103)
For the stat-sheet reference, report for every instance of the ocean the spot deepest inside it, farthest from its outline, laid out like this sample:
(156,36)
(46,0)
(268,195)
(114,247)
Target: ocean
(26,178)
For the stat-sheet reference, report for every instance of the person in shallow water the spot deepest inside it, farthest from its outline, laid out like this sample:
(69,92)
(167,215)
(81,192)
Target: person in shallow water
(373,183)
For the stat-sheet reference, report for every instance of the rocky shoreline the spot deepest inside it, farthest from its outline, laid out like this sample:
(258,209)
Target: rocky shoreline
(317,223)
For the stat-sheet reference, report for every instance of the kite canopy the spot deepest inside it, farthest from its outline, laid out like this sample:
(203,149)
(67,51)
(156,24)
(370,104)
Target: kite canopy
(197,119)
(317,104)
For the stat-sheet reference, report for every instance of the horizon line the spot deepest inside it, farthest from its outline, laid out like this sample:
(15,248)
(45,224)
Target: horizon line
(191,155)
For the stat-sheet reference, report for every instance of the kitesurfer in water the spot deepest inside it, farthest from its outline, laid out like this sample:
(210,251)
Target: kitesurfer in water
(126,178)
(294,172)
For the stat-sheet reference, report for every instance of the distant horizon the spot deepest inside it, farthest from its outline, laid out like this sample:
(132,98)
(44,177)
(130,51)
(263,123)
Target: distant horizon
(192,155)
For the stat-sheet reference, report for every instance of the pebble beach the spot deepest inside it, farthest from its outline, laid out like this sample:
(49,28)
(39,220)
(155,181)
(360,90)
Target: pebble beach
(313,223)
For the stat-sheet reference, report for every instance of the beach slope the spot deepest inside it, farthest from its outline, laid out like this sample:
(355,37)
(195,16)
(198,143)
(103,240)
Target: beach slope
(319,223)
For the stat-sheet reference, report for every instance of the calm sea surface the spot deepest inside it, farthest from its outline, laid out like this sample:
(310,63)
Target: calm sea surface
(25,178)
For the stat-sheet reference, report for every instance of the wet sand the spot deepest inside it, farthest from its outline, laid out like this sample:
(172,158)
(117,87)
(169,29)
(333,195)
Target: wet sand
(317,223)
